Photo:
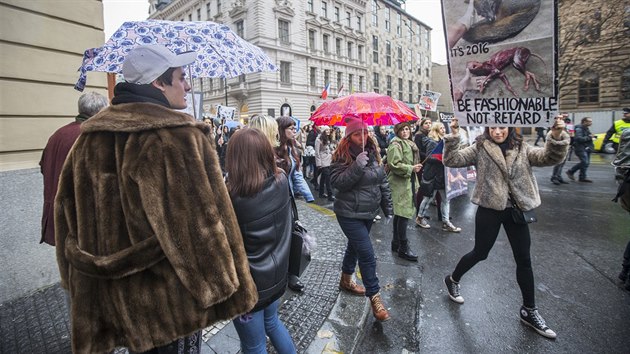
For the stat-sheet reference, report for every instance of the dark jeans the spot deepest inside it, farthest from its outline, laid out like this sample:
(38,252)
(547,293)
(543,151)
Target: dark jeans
(359,249)
(487,225)
(324,180)
(585,160)
(316,172)
(557,169)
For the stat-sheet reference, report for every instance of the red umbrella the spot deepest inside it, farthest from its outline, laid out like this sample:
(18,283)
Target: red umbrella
(373,108)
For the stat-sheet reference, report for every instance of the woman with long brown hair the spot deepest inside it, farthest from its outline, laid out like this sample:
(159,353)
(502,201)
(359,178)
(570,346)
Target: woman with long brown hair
(362,189)
(260,195)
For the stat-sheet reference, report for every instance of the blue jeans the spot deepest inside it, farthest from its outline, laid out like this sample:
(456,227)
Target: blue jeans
(252,329)
(445,207)
(585,160)
(360,249)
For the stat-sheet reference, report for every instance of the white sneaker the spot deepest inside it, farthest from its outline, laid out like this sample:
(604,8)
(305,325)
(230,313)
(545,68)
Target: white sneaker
(377,217)
(448,226)
(422,222)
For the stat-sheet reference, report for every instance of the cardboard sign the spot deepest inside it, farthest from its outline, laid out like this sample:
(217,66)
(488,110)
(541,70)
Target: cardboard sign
(502,62)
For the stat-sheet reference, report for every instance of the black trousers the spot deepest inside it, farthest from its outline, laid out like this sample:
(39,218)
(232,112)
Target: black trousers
(487,225)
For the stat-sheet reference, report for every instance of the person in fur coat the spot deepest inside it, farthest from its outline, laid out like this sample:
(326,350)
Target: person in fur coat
(148,244)
(504,173)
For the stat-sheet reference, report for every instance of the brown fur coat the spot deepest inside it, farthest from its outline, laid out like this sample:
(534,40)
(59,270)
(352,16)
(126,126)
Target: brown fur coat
(147,241)
(498,175)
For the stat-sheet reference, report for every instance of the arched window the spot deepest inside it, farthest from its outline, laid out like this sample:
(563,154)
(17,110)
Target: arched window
(588,87)
(625,84)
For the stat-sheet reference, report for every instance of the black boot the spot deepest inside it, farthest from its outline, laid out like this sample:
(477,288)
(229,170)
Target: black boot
(395,243)
(405,253)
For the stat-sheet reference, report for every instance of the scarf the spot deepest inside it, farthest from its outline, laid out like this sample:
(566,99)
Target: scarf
(125,92)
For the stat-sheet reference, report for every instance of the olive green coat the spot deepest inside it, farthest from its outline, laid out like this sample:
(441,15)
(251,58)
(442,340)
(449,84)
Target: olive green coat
(400,160)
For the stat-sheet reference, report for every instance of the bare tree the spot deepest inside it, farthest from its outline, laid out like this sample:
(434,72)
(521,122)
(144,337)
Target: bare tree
(591,33)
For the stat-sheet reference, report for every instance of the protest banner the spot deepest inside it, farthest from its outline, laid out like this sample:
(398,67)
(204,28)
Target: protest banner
(502,61)
(225,113)
(429,100)
(456,182)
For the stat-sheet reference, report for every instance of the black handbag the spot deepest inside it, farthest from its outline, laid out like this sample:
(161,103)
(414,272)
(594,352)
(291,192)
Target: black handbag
(300,254)
(521,216)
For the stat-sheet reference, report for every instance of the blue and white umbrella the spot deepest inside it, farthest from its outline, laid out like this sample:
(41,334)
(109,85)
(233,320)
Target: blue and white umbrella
(221,53)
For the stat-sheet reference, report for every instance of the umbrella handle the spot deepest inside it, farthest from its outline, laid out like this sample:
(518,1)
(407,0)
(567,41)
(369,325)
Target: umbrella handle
(192,89)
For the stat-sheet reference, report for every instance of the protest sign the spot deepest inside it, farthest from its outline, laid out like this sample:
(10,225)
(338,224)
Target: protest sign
(456,182)
(429,100)
(225,113)
(502,61)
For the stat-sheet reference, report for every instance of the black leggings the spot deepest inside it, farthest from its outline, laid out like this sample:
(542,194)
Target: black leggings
(487,225)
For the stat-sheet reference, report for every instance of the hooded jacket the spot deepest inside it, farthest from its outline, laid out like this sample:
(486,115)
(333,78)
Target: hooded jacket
(498,175)
(147,242)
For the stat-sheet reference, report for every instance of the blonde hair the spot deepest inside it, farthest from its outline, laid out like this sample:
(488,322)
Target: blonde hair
(434,132)
(267,126)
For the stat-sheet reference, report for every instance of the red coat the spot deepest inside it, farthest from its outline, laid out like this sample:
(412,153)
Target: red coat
(53,157)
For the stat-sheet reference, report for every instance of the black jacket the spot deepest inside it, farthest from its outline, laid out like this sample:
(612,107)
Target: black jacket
(582,140)
(382,143)
(265,222)
(433,168)
(311,137)
(361,191)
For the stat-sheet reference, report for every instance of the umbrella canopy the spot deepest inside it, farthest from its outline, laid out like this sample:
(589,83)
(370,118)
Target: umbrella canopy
(373,108)
(221,53)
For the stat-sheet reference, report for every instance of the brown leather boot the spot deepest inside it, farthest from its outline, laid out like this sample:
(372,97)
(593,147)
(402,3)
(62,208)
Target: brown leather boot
(378,309)
(346,283)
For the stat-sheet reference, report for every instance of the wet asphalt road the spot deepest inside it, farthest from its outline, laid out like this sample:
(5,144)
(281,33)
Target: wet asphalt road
(577,248)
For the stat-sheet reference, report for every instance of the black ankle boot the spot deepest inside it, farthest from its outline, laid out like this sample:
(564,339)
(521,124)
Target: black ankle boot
(405,253)
(394,247)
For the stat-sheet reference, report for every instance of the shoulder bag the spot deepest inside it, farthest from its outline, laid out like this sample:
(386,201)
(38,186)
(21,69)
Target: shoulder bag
(302,243)
(521,216)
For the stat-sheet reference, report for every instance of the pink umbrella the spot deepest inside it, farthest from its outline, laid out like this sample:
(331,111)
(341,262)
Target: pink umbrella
(373,108)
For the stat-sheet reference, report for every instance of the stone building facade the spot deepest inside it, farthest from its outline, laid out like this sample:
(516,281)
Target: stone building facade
(313,43)
(41,48)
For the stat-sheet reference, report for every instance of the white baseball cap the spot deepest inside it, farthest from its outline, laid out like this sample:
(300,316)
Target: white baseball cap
(146,63)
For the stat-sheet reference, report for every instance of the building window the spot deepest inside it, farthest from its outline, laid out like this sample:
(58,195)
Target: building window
(388,53)
(337,16)
(359,23)
(360,53)
(399,58)
(324,9)
(588,87)
(198,14)
(241,78)
(419,63)
(271,112)
(325,43)
(348,20)
(240,28)
(427,39)
(285,72)
(350,83)
(410,84)
(375,83)
(375,49)
(388,83)
(326,77)
(400,89)
(338,46)
(625,84)
(361,84)
(189,17)
(313,76)
(310,7)
(311,40)
(398,25)
(418,36)
(349,45)
(409,60)
(218,7)
(283,31)
(339,80)
(387,20)
(375,13)
(208,11)
(426,72)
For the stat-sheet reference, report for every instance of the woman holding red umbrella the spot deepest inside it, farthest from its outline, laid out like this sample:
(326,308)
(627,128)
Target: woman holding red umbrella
(362,189)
